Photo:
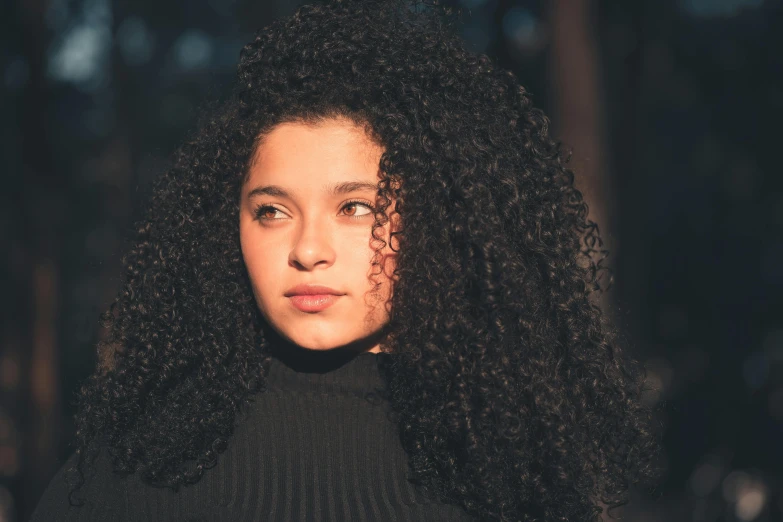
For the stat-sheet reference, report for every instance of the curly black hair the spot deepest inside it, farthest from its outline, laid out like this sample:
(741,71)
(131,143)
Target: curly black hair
(513,396)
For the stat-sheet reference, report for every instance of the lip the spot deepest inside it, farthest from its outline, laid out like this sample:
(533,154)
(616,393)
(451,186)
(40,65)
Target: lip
(313,302)
(301,290)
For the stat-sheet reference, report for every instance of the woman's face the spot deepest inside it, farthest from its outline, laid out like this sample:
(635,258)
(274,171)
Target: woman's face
(306,219)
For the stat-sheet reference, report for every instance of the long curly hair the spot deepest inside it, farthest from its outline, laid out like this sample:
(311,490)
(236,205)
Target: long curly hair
(513,397)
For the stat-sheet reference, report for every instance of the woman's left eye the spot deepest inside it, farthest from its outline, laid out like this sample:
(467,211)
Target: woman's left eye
(264,209)
(365,205)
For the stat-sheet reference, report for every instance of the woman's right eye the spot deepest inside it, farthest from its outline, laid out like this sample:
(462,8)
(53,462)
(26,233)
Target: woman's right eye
(263,209)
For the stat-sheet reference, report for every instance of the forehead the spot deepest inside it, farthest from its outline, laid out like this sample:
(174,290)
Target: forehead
(334,150)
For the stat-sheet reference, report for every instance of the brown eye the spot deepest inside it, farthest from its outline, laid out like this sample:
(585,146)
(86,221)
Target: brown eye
(360,203)
(263,210)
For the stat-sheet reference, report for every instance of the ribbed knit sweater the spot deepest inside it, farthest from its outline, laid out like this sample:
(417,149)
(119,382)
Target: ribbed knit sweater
(312,446)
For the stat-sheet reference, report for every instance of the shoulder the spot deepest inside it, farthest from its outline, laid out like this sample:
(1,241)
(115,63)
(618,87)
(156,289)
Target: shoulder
(102,497)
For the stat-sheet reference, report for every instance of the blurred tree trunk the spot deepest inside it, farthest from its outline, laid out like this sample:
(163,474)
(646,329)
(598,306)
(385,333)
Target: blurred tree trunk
(579,113)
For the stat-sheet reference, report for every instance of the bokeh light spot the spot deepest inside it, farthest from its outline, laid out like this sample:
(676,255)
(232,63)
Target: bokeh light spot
(193,49)
(135,40)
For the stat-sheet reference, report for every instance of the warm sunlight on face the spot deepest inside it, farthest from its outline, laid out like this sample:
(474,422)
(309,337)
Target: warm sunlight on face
(306,219)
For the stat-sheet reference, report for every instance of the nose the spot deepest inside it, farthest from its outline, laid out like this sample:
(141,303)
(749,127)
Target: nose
(313,245)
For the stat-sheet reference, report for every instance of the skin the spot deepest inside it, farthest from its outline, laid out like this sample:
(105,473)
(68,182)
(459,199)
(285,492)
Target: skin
(313,236)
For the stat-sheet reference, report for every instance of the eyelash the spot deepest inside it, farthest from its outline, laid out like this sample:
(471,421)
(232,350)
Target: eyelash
(263,208)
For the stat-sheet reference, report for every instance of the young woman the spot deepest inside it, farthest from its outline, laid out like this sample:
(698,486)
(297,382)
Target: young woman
(363,292)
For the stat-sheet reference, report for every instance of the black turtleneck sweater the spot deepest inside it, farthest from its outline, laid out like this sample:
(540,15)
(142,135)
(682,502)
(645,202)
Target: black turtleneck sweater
(312,446)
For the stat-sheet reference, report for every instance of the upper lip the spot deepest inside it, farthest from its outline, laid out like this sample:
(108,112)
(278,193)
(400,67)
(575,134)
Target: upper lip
(311,290)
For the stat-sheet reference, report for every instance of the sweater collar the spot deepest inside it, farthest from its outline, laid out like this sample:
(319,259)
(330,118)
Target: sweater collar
(323,372)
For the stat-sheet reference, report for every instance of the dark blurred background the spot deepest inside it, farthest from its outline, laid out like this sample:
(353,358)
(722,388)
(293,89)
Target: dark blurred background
(672,109)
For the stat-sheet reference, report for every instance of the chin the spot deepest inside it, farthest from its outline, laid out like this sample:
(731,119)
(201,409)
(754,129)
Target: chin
(318,348)
(313,341)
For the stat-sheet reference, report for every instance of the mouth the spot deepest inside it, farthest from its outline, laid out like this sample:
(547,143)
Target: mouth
(311,289)
(313,302)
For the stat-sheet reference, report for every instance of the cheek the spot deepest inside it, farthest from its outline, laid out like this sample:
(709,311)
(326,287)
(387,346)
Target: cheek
(259,256)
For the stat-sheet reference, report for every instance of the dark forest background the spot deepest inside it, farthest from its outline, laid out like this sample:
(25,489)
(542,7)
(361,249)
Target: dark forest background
(672,109)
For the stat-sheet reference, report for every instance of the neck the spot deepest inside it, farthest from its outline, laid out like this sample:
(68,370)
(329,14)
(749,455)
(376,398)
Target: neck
(320,361)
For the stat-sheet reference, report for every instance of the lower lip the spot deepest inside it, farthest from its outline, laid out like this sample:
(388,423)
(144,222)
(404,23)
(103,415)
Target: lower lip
(313,303)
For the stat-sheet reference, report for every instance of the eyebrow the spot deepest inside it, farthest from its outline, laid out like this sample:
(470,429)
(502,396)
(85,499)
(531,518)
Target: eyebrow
(332,189)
